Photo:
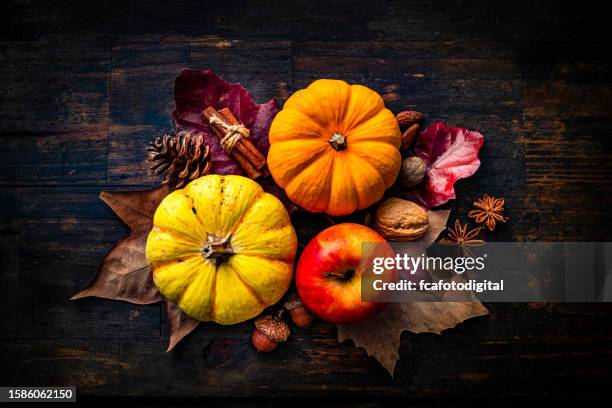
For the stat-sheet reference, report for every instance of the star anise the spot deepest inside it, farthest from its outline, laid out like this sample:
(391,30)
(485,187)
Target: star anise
(489,211)
(460,236)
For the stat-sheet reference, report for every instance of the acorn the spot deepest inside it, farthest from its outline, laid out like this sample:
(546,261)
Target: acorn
(269,331)
(300,316)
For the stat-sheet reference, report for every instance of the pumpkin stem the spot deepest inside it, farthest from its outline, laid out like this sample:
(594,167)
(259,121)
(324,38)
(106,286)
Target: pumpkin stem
(337,141)
(218,249)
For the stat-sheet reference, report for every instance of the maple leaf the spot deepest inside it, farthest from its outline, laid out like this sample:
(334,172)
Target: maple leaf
(450,154)
(380,336)
(125,273)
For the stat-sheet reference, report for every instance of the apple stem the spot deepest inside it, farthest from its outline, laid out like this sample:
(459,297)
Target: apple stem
(344,276)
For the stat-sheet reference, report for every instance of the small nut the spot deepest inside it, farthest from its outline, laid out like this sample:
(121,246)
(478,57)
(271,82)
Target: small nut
(409,118)
(412,171)
(401,220)
(408,136)
(262,342)
(269,331)
(300,316)
(273,328)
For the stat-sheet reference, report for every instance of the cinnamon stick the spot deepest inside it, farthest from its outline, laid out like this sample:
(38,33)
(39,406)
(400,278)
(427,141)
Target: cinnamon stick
(245,146)
(247,166)
(244,152)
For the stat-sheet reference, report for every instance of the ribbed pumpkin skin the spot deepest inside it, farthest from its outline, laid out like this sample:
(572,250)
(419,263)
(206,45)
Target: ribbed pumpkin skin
(262,240)
(320,178)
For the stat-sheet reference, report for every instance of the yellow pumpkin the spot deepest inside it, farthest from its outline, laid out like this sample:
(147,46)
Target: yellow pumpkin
(222,249)
(334,147)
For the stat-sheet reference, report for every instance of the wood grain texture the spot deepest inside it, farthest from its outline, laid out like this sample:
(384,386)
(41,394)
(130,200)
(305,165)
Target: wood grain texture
(83,89)
(9,249)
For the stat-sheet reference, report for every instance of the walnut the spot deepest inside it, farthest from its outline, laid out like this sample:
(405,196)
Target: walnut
(412,171)
(400,220)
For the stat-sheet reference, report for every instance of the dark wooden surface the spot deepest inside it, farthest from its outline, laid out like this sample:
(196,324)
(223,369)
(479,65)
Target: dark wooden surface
(85,85)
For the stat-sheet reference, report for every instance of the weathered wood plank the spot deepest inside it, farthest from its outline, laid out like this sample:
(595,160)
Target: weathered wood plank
(490,356)
(432,81)
(9,273)
(155,20)
(385,62)
(559,98)
(75,157)
(519,20)
(64,234)
(143,93)
(127,154)
(10,204)
(64,94)
(263,67)
(57,203)
(57,258)
(316,20)
(566,142)
(578,62)
(467,96)
(412,49)
(89,364)
(142,101)
(75,55)
(54,112)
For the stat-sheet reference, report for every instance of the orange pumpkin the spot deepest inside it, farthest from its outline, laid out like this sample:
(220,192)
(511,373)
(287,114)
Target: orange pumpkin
(334,147)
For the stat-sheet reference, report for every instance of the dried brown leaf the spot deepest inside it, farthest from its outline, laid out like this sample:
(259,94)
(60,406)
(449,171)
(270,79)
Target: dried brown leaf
(135,208)
(125,273)
(380,336)
(180,324)
(437,224)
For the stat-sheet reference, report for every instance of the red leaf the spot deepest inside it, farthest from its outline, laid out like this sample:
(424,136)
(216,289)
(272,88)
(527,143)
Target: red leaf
(450,153)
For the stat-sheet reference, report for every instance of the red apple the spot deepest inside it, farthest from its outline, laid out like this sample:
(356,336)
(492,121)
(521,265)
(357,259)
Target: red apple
(329,273)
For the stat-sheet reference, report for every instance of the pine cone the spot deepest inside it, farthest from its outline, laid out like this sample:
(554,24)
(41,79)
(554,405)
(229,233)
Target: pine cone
(182,158)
